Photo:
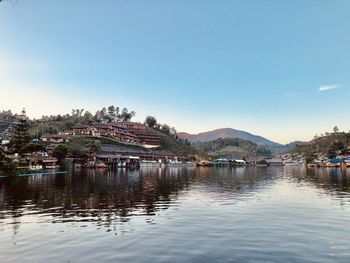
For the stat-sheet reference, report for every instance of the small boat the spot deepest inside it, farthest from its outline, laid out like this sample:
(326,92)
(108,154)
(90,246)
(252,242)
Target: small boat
(36,167)
(102,166)
(88,165)
(121,164)
(52,167)
(50,163)
(149,163)
(40,174)
(347,162)
(291,163)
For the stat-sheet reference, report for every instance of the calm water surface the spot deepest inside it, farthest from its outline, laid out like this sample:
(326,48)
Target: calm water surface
(254,214)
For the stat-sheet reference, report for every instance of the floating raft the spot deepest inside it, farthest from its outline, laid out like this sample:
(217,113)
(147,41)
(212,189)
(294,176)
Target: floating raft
(48,173)
(34,174)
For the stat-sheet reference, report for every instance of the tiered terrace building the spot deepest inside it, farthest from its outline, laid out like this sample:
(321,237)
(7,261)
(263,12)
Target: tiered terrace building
(125,131)
(147,138)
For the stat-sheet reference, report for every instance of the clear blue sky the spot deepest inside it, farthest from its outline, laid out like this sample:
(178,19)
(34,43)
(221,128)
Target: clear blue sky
(279,69)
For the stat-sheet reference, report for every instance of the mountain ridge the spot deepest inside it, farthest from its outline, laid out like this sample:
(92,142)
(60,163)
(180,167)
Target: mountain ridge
(226,133)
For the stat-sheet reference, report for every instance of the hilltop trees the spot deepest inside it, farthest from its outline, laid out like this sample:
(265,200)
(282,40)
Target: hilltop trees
(165,129)
(113,114)
(105,115)
(52,124)
(55,123)
(88,117)
(151,121)
(126,115)
(77,112)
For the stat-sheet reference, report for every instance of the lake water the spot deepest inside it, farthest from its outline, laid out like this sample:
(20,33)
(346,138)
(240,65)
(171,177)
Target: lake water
(253,214)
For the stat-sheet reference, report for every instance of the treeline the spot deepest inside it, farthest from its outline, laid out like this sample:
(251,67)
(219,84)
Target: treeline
(105,115)
(55,123)
(152,122)
(6,116)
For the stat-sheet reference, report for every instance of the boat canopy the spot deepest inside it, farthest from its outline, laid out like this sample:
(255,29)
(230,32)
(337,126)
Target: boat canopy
(335,160)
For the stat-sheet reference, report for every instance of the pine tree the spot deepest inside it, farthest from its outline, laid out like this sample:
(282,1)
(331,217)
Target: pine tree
(21,136)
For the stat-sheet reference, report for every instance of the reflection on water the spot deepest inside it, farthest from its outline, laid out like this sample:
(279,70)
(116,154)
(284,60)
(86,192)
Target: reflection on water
(111,196)
(116,201)
(334,181)
(91,195)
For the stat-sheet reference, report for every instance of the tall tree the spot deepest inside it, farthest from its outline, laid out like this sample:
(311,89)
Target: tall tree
(88,117)
(151,121)
(77,112)
(126,115)
(60,152)
(111,110)
(104,115)
(165,129)
(21,136)
(113,113)
(97,116)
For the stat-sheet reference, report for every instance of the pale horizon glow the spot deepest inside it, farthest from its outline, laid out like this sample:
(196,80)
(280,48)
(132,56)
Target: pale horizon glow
(271,70)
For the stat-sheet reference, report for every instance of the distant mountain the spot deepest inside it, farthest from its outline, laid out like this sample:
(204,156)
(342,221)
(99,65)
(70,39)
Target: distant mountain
(226,133)
(232,148)
(282,148)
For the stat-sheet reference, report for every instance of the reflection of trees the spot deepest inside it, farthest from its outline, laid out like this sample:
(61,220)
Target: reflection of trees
(111,198)
(105,197)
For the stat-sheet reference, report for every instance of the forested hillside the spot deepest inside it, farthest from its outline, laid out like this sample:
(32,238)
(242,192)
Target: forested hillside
(232,148)
(329,144)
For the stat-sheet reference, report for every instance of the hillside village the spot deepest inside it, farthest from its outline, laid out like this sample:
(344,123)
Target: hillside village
(110,139)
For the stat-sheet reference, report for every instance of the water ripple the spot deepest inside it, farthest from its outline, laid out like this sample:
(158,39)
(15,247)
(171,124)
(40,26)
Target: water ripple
(255,214)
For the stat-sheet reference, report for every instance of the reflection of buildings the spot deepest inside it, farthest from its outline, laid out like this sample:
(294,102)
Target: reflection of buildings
(332,180)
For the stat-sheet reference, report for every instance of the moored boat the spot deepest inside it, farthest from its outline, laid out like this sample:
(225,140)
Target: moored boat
(36,167)
(102,166)
(347,162)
